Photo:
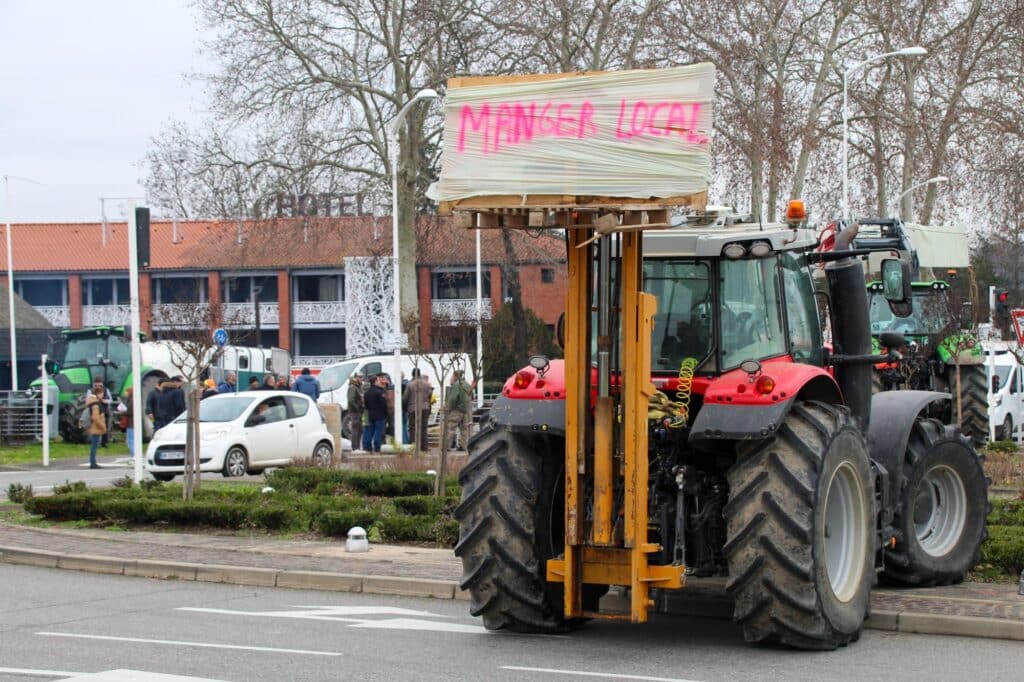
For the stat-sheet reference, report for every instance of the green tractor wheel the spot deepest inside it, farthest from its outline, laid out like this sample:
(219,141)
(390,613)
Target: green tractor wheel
(68,426)
(973,401)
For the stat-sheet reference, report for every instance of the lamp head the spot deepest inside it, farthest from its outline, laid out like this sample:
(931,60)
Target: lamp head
(916,51)
(426,93)
(939,178)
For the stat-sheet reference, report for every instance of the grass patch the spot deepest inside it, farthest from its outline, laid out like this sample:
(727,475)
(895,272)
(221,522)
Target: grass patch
(32,453)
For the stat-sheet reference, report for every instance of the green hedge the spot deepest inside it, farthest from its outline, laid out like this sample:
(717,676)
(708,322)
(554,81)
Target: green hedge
(431,505)
(1007,513)
(337,482)
(66,507)
(1004,549)
(338,523)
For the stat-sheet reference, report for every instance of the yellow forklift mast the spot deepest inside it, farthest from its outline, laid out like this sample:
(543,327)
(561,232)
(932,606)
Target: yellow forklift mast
(606,450)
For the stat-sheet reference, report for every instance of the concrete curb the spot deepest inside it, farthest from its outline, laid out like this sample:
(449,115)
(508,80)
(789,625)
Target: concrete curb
(891,621)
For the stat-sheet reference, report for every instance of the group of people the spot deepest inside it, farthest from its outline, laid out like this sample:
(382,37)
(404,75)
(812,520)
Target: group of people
(371,408)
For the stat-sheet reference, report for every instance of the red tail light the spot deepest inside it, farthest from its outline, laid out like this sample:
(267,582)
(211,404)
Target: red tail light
(523,378)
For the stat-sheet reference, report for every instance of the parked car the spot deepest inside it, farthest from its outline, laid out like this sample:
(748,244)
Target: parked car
(244,433)
(1006,392)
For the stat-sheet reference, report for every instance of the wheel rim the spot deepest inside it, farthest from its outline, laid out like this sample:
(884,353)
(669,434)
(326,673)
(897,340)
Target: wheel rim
(846,532)
(940,510)
(236,463)
(322,455)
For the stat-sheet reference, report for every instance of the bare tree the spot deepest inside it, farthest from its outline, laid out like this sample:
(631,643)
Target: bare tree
(187,333)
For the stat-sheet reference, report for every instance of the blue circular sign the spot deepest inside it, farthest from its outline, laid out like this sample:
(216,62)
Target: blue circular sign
(220,337)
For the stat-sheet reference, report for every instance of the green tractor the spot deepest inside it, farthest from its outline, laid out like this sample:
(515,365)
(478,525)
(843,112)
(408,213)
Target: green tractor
(79,356)
(935,347)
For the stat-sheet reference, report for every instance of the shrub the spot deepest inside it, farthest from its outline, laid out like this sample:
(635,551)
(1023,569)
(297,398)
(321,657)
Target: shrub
(1006,513)
(19,493)
(65,507)
(397,528)
(338,523)
(431,505)
(150,484)
(1004,549)
(69,487)
(1008,446)
(332,482)
(446,532)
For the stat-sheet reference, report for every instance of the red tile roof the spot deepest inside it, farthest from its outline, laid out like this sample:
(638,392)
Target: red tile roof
(243,245)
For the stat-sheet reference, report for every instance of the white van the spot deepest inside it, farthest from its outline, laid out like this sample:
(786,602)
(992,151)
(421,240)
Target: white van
(334,378)
(1006,393)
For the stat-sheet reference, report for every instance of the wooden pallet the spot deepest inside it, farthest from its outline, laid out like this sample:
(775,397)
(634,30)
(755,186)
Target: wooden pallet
(550,210)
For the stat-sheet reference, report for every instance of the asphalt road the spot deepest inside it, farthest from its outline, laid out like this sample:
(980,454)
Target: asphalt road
(43,480)
(63,624)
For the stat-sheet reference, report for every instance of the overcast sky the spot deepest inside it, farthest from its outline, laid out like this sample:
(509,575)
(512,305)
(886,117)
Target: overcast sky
(84,85)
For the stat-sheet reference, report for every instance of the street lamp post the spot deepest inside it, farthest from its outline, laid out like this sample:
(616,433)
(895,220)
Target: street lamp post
(393,129)
(10,277)
(930,181)
(905,52)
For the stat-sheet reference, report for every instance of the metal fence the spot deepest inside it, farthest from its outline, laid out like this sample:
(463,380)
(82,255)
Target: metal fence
(21,416)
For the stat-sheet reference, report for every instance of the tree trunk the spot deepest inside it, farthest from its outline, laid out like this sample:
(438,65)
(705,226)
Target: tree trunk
(510,275)
(409,299)
(186,491)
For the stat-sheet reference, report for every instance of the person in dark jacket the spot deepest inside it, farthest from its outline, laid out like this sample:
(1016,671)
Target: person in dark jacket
(377,411)
(170,404)
(229,385)
(254,384)
(269,383)
(307,384)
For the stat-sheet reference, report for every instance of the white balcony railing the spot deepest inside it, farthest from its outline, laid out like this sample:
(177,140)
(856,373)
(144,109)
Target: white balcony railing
(318,313)
(458,310)
(180,315)
(316,360)
(100,315)
(57,315)
(244,314)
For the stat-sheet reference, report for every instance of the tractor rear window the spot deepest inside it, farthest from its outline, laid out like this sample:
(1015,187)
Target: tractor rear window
(751,311)
(682,325)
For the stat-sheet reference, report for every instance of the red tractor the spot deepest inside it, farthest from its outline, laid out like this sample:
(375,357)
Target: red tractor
(700,427)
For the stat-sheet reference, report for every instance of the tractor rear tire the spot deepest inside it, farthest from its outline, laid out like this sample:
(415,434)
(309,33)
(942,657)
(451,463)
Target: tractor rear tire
(974,401)
(801,531)
(511,521)
(69,427)
(940,516)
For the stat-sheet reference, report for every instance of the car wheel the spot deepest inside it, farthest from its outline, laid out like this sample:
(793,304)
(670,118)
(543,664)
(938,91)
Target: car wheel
(235,462)
(323,453)
(163,477)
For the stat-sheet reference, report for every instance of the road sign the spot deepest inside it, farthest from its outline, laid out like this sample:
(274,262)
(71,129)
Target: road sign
(220,337)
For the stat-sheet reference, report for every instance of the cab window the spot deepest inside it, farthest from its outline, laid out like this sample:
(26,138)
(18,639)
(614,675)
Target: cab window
(801,311)
(751,311)
(683,323)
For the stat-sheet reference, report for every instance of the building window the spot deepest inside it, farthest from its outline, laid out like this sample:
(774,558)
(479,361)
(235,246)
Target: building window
(309,342)
(458,285)
(242,289)
(180,289)
(105,291)
(313,288)
(43,291)
(547,275)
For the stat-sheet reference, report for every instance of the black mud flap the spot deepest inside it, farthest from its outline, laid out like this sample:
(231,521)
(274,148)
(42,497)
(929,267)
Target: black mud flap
(892,417)
(531,416)
(737,422)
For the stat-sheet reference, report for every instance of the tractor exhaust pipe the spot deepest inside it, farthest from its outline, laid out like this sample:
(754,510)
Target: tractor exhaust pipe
(851,327)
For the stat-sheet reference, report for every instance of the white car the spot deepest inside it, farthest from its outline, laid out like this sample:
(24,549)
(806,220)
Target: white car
(244,433)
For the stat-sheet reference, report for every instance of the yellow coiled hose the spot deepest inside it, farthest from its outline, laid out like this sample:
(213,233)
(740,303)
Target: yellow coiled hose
(683,391)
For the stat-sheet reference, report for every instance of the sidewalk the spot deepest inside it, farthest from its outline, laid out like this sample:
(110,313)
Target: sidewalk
(971,609)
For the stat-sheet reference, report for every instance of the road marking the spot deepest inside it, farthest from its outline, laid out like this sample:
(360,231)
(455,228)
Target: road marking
(351,615)
(38,673)
(583,673)
(204,645)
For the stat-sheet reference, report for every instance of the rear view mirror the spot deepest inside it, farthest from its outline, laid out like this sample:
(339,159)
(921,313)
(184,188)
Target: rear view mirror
(896,280)
(560,331)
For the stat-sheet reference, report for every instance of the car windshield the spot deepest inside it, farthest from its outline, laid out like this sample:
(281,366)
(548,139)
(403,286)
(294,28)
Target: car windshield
(222,409)
(84,351)
(931,313)
(682,325)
